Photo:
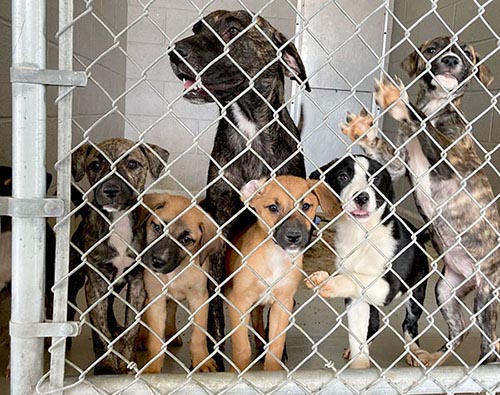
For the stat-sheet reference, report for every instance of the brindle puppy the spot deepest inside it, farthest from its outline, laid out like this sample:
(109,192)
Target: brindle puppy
(256,136)
(105,234)
(452,192)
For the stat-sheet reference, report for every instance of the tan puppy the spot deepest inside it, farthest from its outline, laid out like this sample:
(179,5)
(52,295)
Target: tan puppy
(176,234)
(270,269)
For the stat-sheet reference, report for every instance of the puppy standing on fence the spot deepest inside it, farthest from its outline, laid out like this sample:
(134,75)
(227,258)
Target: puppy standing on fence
(256,135)
(377,259)
(175,233)
(266,268)
(106,238)
(451,190)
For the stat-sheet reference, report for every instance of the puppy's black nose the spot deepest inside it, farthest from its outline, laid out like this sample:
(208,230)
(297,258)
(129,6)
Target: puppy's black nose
(362,198)
(293,236)
(450,61)
(111,190)
(157,263)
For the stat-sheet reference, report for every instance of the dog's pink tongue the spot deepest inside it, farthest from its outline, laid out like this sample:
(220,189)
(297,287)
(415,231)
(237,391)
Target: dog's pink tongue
(359,213)
(188,84)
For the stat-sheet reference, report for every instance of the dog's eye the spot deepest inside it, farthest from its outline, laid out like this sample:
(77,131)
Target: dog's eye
(273,208)
(468,54)
(132,164)
(233,31)
(157,228)
(343,177)
(431,50)
(94,166)
(306,206)
(186,240)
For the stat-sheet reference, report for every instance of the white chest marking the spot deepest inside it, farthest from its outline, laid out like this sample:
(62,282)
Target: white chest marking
(244,124)
(278,263)
(360,252)
(5,258)
(419,174)
(120,237)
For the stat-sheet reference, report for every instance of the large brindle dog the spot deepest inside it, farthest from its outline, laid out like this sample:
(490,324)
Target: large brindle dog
(105,235)
(256,136)
(451,189)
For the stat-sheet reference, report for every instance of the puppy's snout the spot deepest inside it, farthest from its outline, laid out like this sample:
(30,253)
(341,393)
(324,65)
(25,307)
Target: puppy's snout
(111,190)
(293,236)
(157,262)
(362,198)
(450,61)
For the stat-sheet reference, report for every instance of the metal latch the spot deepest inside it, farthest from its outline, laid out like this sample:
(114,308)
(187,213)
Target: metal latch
(31,208)
(44,329)
(30,75)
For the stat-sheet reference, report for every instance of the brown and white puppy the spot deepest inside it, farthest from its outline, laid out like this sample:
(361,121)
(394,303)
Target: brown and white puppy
(179,239)
(266,269)
(451,190)
(106,245)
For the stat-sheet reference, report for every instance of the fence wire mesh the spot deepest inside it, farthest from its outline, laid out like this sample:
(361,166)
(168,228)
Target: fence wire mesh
(123,233)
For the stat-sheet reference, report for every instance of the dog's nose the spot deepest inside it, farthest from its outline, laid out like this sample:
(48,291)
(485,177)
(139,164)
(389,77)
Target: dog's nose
(450,61)
(182,50)
(362,198)
(157,263)
(111,190)
(293,236)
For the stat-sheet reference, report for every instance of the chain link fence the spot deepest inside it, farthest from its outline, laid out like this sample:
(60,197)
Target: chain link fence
(130,131)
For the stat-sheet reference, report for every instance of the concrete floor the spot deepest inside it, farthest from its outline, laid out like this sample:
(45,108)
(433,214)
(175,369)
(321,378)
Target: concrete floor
(314,317)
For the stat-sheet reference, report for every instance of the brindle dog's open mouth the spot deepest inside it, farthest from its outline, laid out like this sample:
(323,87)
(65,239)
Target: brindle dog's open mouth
(193,91)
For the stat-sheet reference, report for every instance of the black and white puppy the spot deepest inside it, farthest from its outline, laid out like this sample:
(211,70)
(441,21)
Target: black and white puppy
(377,260)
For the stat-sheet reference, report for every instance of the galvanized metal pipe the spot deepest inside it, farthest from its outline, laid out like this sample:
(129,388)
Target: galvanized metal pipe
(63,167)
(28,159)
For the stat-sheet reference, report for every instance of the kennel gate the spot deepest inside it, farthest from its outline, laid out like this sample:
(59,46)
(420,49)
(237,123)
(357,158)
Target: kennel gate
(28,208)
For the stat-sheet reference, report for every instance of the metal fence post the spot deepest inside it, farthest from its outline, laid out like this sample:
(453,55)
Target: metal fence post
(28,234)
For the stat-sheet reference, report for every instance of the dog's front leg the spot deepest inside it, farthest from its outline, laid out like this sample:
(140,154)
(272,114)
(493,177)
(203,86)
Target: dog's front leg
(354,286)
(155,317)
(198,346)
(242,352)
(95,289)
(358,317)
(278,320)
(360,129)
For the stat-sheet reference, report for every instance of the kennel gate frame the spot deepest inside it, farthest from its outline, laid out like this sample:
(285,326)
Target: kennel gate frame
(29,118)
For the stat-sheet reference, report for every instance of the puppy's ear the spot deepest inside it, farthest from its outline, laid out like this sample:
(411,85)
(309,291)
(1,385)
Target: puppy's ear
(327,199)
(210,243)
(484,72)
(78,161)
(154,201)
(291,57)
(157,158)
(252,187)
(410,64)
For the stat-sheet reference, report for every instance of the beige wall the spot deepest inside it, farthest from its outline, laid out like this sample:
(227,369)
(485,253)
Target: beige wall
(456,15)
(90,103)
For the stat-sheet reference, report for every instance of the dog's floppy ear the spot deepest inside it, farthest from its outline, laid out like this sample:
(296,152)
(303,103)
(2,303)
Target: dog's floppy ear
(154,201)
(252,187)
(210,243)
(292,58)
(157,158)
(483,71)
(410,64)
(327,199)
(78,161)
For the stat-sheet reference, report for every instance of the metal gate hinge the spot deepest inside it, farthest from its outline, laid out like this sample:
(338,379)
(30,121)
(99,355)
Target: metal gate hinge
(44,329)
(48,77)
(31,208)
